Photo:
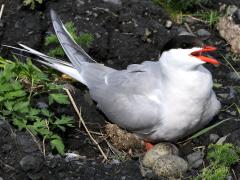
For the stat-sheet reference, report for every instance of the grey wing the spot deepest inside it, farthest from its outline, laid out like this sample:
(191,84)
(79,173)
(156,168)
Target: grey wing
(74,52)
(125,98)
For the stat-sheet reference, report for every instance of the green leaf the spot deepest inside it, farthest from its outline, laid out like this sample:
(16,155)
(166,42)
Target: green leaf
(15,94)
(64,121)
(20,123)
(56,143)
(21,107)
(59,98)
(199,133)
(9,105)
(46,113)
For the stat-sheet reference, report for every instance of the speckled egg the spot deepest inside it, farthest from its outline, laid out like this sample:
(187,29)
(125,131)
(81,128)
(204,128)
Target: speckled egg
(170,166)
(157,151)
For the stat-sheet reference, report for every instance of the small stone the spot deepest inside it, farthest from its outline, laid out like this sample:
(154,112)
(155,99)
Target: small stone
(236,16)
(72,157)
(31,163)
(42,105)
(195,159)
(79,3)
(1,178)
(223,95)
(116,2)
(157,151)
(231,9)
(168,24)
(147,32)
(115,161)
(170,166)
(203,32)
(234,75)
(213,138)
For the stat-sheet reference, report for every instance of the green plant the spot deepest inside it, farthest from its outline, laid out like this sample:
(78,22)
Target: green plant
(221,157)
(215,173)
(32,3)
(85,40)
(210,17)
(20,83)
(180,5)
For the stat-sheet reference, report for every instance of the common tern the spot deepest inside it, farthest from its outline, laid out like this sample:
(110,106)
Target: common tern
(159,100)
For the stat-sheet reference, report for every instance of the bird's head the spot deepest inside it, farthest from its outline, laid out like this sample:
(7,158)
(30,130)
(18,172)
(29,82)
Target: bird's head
(187,51)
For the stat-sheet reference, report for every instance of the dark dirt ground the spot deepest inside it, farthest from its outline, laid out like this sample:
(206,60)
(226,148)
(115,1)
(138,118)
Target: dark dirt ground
(120,39)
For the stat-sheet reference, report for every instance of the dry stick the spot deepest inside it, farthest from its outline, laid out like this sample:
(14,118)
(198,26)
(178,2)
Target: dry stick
(35,140)
(188,28)
(83,123)
(1,11)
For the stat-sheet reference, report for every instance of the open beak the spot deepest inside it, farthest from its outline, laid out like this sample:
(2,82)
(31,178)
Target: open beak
(198,54)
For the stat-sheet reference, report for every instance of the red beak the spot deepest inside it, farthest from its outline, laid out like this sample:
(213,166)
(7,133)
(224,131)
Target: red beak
(198,54)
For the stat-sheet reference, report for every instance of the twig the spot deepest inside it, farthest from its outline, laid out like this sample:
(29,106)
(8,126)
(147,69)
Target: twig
(188,28)
(1,11)
(44,147)
(83,123)
(35,140)
(7,166)
(197,19)
(237,73)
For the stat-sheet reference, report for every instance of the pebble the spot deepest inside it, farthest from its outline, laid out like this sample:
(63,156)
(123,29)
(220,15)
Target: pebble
(30,162)
(42,105)
(195,159)
(170,166)
(168,24)
(203,32)
(117,2)
(79,3)
(213,138)
(157,151)
(231,9)
(234,75)
(1,178)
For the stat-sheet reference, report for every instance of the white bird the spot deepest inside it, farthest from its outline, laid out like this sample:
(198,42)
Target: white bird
(163,100)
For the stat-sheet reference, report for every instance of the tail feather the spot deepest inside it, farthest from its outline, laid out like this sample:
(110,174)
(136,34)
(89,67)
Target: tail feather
(62,66)
(74,52)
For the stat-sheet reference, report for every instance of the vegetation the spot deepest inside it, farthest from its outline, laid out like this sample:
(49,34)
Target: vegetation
(20,85)
(32,3)
(180,8)
(221,157)
(84,40)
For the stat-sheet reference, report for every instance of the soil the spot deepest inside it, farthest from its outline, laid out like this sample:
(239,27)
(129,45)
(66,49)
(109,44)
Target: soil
(126,33)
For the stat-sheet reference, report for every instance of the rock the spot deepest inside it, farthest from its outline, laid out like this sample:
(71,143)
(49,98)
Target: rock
(234,75)
(1,178)
(236,16)
(203,32)
(195,159)
(157,151)
(168,24)
(213,138)
(231,10)
(73,157)
(31,163)
(117,2)
(170,166)
(42,105)
(229,30)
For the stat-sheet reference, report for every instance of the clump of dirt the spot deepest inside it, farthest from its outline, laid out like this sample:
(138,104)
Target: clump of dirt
(124,140)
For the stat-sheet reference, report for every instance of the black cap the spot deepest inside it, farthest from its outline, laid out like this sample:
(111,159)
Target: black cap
(183,42)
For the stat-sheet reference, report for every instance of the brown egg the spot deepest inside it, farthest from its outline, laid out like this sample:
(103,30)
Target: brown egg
(157,151)
(170,166)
